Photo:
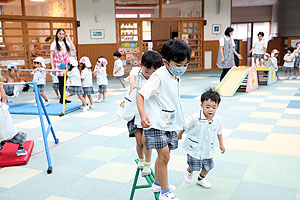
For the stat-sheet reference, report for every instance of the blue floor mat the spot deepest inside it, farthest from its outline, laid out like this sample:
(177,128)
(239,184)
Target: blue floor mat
(188,96)
(30,109)
(294,104)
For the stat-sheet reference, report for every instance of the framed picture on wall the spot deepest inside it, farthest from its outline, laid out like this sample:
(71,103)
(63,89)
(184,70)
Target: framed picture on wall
(97,33)
(216,28)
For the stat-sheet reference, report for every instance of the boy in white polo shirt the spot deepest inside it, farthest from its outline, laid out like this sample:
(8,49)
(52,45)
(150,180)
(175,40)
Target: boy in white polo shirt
(259,49)
(204,133)
(160,110)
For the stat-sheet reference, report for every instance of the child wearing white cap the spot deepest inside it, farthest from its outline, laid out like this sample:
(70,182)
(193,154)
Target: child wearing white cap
(39,76)
(87,79)
(74,82)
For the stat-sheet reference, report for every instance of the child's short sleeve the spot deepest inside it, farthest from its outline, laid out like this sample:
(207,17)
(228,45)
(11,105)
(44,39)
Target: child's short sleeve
(52,46)
(83,74)
(135,71)
(151,87)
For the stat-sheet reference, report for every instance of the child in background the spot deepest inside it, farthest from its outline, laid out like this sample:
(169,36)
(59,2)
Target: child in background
(161,113)
(259,49)
(274,56)
(87,79)
(74,82)
(10,76)
(297,63)
(8,132)
(55,84)
(118,72)
(204,134)
(39,76)
(102,81)
(289,59)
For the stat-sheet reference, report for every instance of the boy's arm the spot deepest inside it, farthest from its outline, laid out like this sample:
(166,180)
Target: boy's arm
(132,83)
(189,124)
(3,95)
(145,121)
(295,53)
(220,138)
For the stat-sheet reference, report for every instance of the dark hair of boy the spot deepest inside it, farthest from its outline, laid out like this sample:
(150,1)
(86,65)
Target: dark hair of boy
(70,67)
(291,49)
(212,95)
(117,54)
(228,31)
(151,59)
(176,50)
(261,33)
(297,43)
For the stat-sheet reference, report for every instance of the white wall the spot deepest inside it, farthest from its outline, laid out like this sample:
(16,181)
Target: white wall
(86,12)
(211,16)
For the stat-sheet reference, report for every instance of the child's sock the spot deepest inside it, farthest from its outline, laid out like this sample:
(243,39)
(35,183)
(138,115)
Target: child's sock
(189,170)
(140,164)
(200,177)
(146,170)
(165,191)
(20,148)
(156,183)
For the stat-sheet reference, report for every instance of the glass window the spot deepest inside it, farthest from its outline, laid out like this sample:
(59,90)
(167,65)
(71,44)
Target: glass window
(182,8)
(12,7)
(142,9)
(147,30)
(261,27)
(61,8)
(240,31)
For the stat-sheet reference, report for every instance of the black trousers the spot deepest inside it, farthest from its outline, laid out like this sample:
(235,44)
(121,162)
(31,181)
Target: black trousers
(224,72)
(61,88)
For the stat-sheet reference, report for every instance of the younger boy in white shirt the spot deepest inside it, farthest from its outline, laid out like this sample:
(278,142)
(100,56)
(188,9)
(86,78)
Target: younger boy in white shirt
(204,134)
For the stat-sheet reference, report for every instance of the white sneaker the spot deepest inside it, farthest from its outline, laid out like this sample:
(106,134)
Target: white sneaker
(92,106)
(188,177)
(103,100)
(85,109)
(291,78)
(35,105)
(168,196)
(204,183)
(157,188)
(98,101)
(46,103)
(298,78)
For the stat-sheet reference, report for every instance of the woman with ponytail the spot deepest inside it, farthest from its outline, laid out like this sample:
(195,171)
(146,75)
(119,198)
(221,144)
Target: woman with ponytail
(61,50)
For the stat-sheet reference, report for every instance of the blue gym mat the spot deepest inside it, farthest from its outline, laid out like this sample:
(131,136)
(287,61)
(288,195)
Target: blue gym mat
(30,109)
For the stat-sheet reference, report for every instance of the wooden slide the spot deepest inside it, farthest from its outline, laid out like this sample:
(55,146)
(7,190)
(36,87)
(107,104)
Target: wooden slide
(232,81)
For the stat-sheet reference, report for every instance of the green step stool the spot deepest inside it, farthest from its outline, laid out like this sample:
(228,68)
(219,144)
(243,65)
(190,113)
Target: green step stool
(149,179)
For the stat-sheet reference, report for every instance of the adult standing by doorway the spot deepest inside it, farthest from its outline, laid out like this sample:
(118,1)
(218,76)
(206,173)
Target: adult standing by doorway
(61,50)
(226,51)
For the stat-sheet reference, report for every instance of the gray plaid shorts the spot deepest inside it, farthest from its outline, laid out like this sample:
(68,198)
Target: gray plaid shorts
(132,128)
(288,69)
(102,88)
(120,77)
(41,87)
(260,56)
(19,139)
(88,90)
(9,89)
(75,90)
(197,164)
(55,86)
(158,139)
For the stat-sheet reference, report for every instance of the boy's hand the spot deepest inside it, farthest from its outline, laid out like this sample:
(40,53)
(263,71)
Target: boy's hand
(222,148)
(239,56)
(132,87)
(145,121)
(179,136)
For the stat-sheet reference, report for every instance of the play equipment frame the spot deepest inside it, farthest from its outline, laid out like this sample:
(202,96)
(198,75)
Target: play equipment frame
(45,132)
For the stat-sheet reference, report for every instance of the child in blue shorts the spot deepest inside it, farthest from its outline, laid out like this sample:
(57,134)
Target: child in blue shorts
(204,134)
(161,113)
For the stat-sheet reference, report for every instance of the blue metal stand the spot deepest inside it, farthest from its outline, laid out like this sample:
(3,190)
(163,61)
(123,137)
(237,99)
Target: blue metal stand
(42,110)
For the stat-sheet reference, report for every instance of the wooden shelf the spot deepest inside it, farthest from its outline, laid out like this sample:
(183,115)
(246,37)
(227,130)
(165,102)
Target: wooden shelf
(129,41)
(129,53)
(129,35)
(128,29)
